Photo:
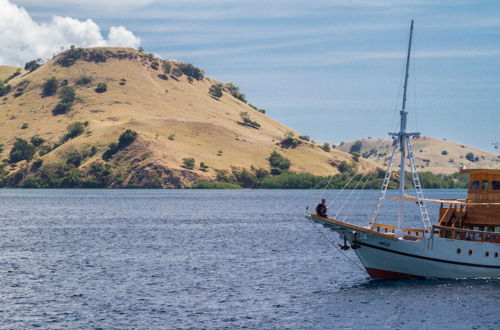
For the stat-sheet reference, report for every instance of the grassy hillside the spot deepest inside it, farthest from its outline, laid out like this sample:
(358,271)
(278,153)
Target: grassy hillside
(173,113)
(8,71)
(432,155)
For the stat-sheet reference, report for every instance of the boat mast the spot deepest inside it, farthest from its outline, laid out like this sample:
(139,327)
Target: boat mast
(402,142)
(403,137)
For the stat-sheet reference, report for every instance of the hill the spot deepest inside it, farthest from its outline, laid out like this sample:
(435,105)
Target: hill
(431,154)
(176,111)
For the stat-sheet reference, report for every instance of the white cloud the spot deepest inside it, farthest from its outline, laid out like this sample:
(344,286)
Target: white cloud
(23,39)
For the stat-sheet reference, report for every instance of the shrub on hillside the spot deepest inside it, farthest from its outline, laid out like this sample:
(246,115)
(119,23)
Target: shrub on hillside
(37,140)
(345,166)
(276,160)
(66,98)
(101,87)
(191,71)
(4,89)
(245,117)
(235,92)
(73,130)
(62,108)
(69,57)
(355,147)
(36,165)
(471,157)
(21,150)
(83,80)
(188,163)
(289,141)
(112,149)
(67,94)
(246,178)
(74,158)
(176,72)
(167,67)
(32,65)
(304,137)
(444,152)
(12,76)
(204,167)
(276,171)
(216,91)
(45,150)
(125,139)
(326,147)
(355,156)
(50,87)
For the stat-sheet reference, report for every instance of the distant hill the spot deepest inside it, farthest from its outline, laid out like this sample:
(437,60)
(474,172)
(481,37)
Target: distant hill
(433,155)
(176,115)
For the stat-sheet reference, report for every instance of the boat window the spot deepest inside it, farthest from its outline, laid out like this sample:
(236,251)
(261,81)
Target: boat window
(474,185)
(485,185)
(495,185)
(470,252)
(459,250)
(487,254)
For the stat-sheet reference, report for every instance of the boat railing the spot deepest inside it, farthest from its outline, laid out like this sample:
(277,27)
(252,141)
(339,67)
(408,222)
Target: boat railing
(380,228)
(466,234)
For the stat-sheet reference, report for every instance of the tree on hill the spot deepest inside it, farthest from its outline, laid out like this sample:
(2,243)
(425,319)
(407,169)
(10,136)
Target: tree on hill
(167,67)
(191,71)
(33,65)
(276,160)
(21,150)
(235,92)
(101,87)
(216,90)
(50,87)
(188,163)
(356,147)
(125,139)
(67,94)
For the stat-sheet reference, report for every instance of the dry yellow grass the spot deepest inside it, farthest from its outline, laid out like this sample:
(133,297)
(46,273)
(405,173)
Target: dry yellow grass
(205,128)
(6,71)
(431,154)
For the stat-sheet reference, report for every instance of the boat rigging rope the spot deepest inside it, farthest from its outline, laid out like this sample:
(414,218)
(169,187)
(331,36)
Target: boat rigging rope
(345,186)
(356,198)
(335,245)
(350,195)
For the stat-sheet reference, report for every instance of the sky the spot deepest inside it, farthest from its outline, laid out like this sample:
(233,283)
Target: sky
(329,69)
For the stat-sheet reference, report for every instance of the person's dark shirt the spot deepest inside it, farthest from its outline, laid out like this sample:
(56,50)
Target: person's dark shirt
(321,210)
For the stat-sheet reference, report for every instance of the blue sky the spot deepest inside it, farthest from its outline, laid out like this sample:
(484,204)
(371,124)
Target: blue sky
(329,69)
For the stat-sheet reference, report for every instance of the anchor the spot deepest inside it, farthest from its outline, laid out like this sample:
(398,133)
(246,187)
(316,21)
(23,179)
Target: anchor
(345,246)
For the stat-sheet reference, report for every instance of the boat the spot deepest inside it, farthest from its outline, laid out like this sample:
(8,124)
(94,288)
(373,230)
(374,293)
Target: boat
(464,242)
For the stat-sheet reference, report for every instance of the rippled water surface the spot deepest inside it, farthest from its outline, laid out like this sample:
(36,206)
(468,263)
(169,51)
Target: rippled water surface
(209,259)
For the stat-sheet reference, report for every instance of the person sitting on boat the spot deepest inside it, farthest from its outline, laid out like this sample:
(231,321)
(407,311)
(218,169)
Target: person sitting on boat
(321,209)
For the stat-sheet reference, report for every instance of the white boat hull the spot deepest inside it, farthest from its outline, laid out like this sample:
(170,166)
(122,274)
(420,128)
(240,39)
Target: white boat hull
(385,257)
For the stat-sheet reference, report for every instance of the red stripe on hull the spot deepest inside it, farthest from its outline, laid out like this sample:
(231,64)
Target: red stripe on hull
(387,275)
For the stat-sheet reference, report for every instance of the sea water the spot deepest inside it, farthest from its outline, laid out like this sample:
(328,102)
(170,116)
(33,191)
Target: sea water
(211,259)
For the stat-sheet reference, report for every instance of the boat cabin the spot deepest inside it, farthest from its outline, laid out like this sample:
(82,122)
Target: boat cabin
(480,211)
